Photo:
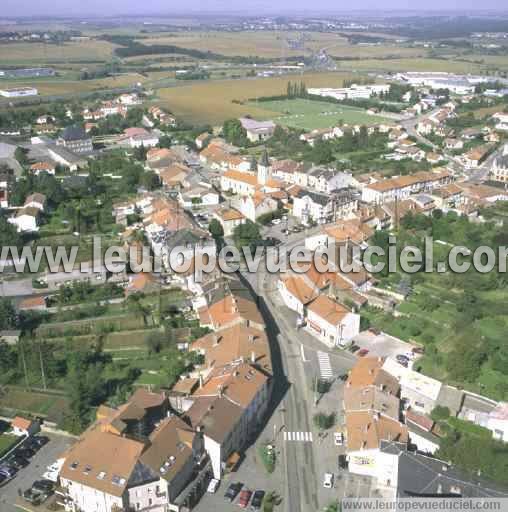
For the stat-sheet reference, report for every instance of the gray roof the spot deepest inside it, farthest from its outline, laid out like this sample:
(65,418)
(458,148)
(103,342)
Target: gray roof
(69,156)
(420,475)
(322,199)
(74,133)
(452,398)
(502,161)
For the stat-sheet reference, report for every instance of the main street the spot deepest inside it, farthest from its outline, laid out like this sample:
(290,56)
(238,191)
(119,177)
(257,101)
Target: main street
(304,462)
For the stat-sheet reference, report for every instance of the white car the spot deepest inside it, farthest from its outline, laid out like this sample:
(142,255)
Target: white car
(275,221)
(338,438)
(328,481)
(213,486)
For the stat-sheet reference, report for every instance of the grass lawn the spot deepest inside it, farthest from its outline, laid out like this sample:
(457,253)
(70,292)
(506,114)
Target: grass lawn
(310,114)
(6,442)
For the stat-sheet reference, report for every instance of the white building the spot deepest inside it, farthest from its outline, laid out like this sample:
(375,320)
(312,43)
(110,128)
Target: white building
(311,206)
(417,390)
(498,422)
(19,92)
(257,130)
(331,322)
(296,293)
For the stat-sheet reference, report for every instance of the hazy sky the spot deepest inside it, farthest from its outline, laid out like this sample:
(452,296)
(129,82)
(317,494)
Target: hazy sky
(109,7)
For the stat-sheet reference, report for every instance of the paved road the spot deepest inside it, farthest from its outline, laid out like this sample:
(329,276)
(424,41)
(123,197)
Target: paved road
(298,350)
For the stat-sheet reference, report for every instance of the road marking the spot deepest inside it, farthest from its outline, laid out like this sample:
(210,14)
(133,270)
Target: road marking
(303,353)
(325,368)
(301,437)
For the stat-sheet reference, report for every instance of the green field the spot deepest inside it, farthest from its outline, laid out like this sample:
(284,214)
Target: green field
(310,114)
(6,442)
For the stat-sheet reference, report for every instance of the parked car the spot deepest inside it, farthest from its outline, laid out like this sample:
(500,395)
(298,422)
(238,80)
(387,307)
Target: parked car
(328,481)
(232,491)
(44,486)
(354,348)
(338,438)
(18,462)
(27,453)
(8,470)
(257,500)
(275,221)
(213,486)
(343,462)
(3,478)
(363,352)
(244,499)
(32,496)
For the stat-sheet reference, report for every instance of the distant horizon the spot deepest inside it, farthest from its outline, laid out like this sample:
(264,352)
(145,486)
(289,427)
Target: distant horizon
(94,9)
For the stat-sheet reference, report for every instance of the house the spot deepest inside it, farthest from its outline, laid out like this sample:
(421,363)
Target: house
(10,337)
(174,175)
(365,433)
(139,137)
(331,322)
(455,144)
(424,434)
(426,126)
(501,120)
(416,390)
(449,197)
(24,427)
(328,180)
(434,158)
(6,179)
(229,219)
(475,157)
(200,195)
(142,282)
(499,170)
(296,293)
(46,167)
(202,139)
(253,207)
(75,139)
(257,130)
(498,422)
(26,219)
(309,206)
(35,200)
(67,158)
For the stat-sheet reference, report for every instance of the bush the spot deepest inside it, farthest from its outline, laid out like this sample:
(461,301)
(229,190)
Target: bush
(267,455)
(324,421)
(440,413)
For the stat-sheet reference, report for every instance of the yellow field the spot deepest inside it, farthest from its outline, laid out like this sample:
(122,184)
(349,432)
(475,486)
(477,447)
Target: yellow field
(261,44)
(40,53)
(211,102)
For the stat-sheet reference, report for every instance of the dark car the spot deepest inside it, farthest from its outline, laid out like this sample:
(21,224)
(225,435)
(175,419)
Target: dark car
(18,462)
(3,478)
(257,500)
(44,486)
(40,440)
(232,491)
(343,462)
(32,496)
(26,453)
(30,444)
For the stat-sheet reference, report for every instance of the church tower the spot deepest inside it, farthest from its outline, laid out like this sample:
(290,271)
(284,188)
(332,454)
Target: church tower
(264,169)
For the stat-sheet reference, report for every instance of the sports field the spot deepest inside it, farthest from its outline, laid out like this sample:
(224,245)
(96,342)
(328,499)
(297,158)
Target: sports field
(310,114)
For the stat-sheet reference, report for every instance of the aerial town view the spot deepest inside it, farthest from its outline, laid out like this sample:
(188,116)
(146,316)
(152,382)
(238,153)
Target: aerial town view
(253,256)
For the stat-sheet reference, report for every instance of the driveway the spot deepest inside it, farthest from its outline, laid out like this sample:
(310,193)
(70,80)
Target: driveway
(34,471)
(381,345)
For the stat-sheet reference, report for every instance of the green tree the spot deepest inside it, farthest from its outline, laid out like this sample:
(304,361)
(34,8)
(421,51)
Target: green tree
(216,229)
(234,132)
(247,235)
(8,316)
(324,421)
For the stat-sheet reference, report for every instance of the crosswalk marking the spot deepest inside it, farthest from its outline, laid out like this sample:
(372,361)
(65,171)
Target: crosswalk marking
(302,437)
(325,368)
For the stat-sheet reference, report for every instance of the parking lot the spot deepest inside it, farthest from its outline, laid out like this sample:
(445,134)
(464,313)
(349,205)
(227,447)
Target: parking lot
(381,345)
(24,478)
(251,474)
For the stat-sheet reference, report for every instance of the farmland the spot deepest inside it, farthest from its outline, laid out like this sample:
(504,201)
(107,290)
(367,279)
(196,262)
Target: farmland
(214,101)
(310,114)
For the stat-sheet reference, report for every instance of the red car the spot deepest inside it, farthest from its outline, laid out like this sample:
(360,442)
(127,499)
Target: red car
(363,352)
(244,499)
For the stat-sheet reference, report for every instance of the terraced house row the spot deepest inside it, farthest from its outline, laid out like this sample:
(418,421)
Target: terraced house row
(158,451)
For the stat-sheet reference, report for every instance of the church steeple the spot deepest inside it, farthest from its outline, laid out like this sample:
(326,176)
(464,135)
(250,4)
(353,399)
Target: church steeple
(264,169)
